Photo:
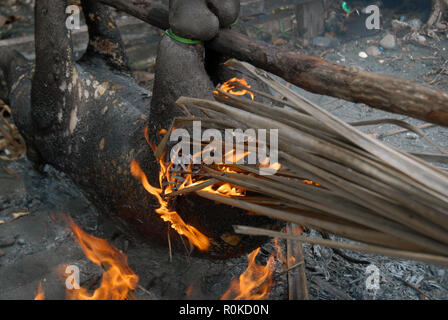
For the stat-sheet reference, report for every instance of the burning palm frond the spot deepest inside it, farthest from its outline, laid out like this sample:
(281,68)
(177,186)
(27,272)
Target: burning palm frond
(332,177)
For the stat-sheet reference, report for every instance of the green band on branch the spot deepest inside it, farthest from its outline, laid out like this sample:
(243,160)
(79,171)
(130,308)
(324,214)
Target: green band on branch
(235,23)
(172,35)
(346,7)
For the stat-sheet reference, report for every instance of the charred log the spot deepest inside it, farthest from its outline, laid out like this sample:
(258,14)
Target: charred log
(87,119)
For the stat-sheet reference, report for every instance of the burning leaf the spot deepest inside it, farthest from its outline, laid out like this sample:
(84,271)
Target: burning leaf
(255,283)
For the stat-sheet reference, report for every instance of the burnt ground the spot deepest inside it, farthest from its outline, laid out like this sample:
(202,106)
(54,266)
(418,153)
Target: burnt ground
(33,246)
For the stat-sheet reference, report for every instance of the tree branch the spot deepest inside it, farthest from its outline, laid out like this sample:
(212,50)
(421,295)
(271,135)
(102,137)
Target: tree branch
(316,75)
(156,15)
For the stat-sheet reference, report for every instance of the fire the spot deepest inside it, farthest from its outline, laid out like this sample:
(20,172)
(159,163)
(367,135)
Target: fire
(165,175)
(291,261)
(118,279)
(274,166)
(231,88)
(194,235)
(311,183)
(233,156)
(145,133)
(255,283)
(40,292)
(163,131)
(279,254)
(226,190)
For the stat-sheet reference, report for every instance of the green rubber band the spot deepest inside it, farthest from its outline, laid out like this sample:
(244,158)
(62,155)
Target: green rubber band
(346,7)
(172,35)
(235,23)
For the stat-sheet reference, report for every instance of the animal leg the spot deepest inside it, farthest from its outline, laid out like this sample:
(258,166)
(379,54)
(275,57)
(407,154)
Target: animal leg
(104,36)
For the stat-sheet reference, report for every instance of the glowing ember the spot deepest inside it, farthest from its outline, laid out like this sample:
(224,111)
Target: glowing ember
(194,235)
(118,278)
(311,183)
(255,283)
(231,88)
(40,293)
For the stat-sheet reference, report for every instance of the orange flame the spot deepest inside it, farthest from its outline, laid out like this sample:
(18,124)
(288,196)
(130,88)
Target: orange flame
(194,235)
(231,88)
(145,133)
(311,183)
(279,254)
(118,278)
(233,157)
(225,189)
(40,292)
(163,131)
(255,283)
(189,292)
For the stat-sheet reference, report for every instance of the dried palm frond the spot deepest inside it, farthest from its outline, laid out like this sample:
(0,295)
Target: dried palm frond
(333,177)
